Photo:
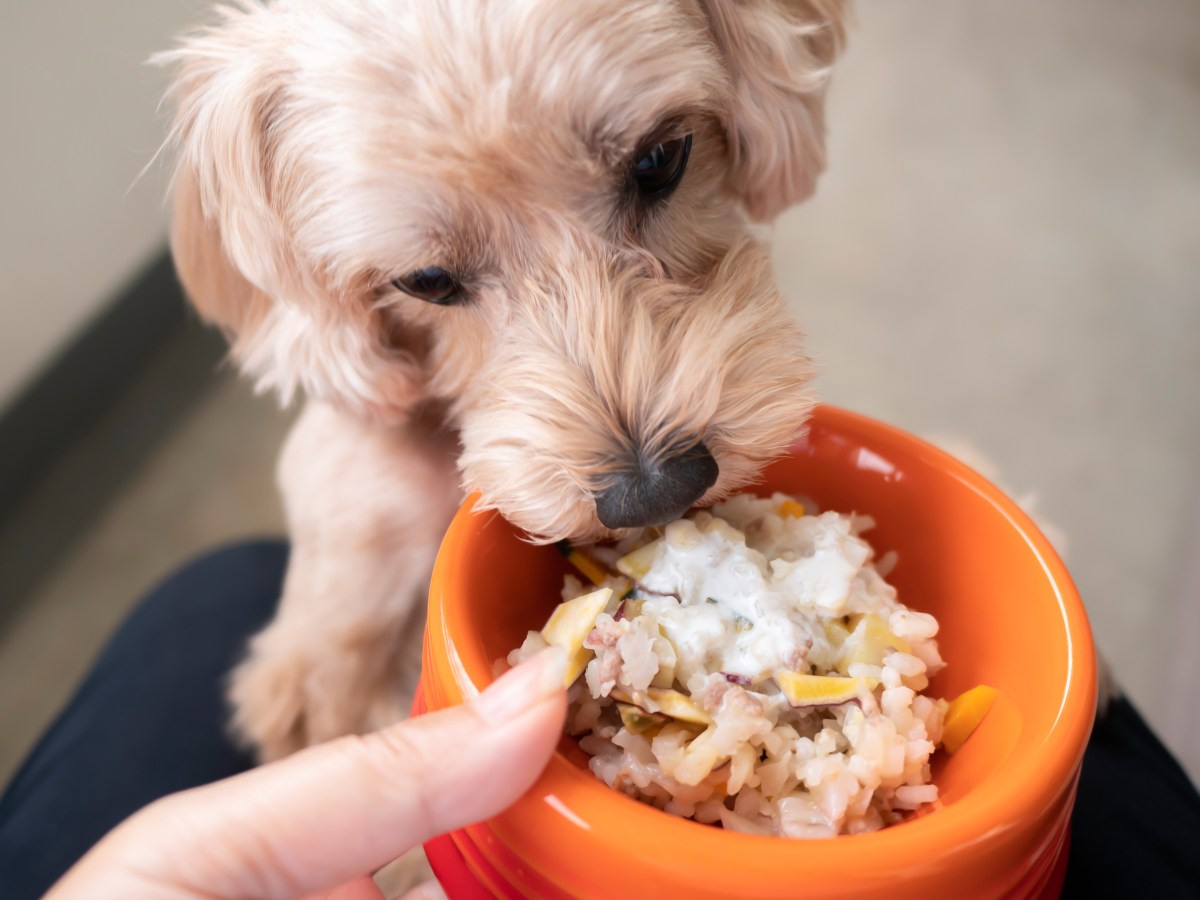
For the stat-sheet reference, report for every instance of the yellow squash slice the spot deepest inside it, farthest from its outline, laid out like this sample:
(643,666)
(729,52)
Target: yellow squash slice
(636,720)
(699,759)
(964,714)
(869,643)
(678,706)
(635,565)
(588,567)
(791,509)
(819,690)
(569,626)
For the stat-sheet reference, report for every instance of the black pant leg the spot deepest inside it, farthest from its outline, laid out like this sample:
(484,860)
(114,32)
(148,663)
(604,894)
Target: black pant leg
(1135,831)
(147,721)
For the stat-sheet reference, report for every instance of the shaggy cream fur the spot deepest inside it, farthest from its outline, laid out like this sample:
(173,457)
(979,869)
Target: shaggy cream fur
(328,147)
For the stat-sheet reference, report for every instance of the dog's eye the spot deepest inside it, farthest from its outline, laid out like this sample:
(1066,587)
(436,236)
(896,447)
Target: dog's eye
(658,171)
(433,284)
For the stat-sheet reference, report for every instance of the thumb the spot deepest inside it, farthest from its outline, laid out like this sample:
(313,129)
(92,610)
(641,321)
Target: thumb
(341,809)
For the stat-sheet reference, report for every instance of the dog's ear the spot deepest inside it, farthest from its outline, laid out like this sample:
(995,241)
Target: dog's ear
(233,229)
(778,54)
(217,290)
(225,231)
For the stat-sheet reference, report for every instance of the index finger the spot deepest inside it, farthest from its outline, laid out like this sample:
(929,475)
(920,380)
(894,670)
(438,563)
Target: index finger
(333,812)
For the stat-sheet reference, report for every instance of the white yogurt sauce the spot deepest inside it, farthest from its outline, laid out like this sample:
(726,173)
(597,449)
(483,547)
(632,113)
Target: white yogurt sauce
(751,587)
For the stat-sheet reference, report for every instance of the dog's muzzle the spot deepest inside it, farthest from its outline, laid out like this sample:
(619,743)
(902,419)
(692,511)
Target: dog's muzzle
(655,494)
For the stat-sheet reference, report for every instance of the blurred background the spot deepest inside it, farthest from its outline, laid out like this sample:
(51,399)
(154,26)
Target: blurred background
(1005,253)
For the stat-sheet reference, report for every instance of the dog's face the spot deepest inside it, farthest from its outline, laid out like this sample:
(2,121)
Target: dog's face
(534,213)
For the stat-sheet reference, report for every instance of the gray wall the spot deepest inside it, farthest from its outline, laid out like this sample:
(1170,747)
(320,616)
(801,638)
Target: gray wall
(1006,253)
(80,122)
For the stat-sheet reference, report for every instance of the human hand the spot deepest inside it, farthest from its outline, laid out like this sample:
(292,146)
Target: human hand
(320,820)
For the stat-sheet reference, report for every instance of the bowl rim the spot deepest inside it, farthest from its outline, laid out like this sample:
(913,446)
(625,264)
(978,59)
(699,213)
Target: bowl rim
(1046,771)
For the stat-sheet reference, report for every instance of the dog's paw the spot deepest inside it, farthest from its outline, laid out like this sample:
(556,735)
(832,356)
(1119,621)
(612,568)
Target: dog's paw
(268,699)
(289,694)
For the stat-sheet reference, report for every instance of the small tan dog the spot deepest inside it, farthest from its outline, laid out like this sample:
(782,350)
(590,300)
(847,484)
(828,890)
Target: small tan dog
(501,246)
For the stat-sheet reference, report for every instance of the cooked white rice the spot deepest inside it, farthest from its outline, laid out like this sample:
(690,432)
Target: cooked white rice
(721,608)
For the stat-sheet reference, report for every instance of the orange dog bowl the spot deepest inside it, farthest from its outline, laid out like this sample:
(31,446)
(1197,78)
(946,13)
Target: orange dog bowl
(1010,617)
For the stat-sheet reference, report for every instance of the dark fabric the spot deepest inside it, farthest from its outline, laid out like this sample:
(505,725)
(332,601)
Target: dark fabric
(147,721)
(1135,831)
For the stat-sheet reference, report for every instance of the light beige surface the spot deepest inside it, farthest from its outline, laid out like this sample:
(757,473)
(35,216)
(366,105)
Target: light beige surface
(1006,251)
(79,123)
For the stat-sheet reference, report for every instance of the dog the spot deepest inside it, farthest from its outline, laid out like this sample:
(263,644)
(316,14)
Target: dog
(498,246)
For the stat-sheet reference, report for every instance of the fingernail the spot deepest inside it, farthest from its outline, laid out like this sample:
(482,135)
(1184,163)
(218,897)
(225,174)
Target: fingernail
(523,687)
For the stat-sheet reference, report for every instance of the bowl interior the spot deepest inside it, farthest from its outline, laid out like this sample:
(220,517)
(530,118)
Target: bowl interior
(1009,614)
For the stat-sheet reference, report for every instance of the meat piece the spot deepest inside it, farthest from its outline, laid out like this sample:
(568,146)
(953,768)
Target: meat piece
(741,700)
(798,660)
(605,669)
(713,693)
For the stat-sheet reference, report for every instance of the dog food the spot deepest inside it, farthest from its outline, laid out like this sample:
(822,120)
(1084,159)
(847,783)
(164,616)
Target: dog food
(749,666)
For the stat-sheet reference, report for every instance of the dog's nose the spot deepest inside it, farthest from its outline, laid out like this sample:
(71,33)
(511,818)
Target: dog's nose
(658,493)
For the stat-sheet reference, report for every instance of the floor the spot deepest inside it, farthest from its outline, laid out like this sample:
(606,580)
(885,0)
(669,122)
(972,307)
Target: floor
(208,481)
(1006,252)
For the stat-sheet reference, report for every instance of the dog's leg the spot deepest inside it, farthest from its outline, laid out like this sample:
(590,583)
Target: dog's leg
(367,507)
